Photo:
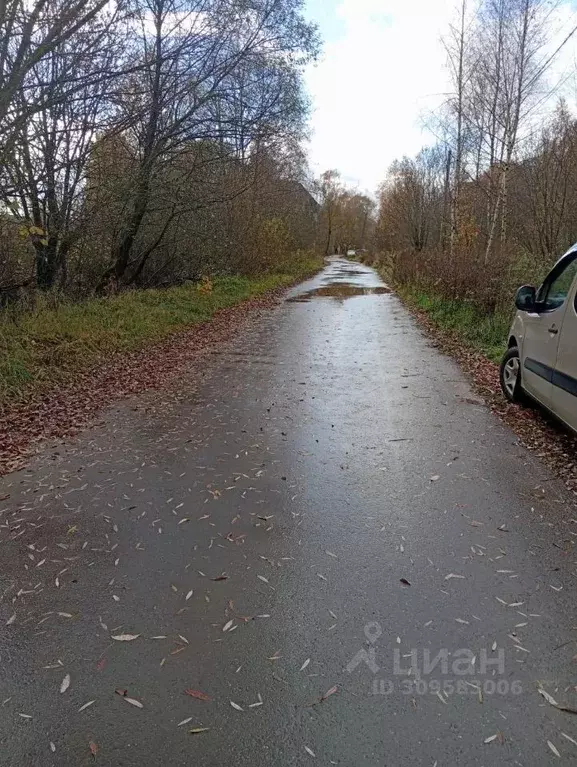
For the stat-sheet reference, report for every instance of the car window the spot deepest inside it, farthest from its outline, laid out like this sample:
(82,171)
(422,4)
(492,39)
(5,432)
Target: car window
(555,292)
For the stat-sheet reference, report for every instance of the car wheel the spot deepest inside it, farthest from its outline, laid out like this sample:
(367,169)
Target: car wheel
(510,375)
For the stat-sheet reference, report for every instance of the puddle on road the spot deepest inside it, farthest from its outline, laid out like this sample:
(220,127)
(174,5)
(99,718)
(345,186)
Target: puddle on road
(339,290)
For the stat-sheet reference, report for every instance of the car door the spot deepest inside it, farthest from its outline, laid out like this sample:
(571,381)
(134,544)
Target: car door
(565,375)
(542,330)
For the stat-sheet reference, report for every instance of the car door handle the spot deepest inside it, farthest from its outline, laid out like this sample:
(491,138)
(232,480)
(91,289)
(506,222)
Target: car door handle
(554,330)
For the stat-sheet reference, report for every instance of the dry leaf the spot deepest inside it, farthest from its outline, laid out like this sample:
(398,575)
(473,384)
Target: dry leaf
(93,748)
(490,739)
(330,692)
(86,705)
(11,620)
(236,706)
(197,694)
(553,748)
(549,698)
(435,477)
(228,625)
(405,582)
(185,721)
(454,575)
(65,683)
(197,730)
(310,751)
(305,664)
(125,637)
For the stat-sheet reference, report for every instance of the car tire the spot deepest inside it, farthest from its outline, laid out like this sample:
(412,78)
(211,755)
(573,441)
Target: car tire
(510,375)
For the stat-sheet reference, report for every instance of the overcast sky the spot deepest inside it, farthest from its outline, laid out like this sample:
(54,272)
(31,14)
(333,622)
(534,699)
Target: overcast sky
(382,71)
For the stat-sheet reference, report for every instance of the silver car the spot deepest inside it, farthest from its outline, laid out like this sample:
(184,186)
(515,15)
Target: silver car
(541,360)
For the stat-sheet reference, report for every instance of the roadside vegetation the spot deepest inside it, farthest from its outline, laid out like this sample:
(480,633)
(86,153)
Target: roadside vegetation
(49,344)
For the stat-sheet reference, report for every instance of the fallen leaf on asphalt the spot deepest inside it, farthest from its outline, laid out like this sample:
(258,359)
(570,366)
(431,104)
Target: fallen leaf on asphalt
(258,703)
(227,626)
(133,702)
(236,706)
(197,694)
(11,620)
(330,692)
(310,751)
(93,748)
(25,716)
(549,698)
(198,730)
(490,739)
(305,664)
(322,577)
(330,553)
(188,596)
(185,721)
(86,705)
(125,637)
(220,578)
(435,477)
(454,575)
(553,748)
(52,747)
(65,683)
(262,578)
(569,738)
(405,582)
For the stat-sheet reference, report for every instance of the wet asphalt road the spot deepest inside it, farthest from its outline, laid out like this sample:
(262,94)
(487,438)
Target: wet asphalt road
(319,458)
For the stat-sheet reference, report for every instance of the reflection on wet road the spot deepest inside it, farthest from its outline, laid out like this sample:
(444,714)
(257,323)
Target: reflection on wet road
(341,281)
(321,548)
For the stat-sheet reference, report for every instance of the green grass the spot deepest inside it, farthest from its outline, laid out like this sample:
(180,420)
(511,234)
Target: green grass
(45,347)
(485,333)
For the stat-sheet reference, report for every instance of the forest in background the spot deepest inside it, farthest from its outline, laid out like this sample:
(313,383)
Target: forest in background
(145,143)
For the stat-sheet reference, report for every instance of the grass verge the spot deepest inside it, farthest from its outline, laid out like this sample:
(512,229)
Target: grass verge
(47,346)
(487,334)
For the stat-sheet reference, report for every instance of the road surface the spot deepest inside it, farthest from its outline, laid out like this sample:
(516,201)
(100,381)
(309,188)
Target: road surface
(321,509)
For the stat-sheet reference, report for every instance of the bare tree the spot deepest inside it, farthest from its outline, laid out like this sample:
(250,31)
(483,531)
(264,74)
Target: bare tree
(212,71)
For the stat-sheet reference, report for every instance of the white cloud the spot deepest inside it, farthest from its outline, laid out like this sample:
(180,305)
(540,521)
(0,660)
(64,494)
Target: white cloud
(375,83)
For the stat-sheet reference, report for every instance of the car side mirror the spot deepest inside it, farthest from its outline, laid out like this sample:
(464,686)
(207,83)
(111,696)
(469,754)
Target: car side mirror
(526,298)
